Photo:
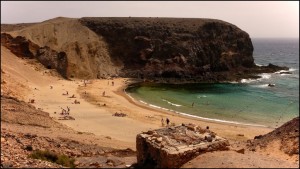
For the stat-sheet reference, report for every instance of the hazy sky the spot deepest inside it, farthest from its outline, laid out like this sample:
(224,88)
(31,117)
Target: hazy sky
(259,19)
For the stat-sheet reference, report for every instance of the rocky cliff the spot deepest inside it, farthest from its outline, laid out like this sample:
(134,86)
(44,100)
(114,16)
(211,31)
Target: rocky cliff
(162,49)
(165,47)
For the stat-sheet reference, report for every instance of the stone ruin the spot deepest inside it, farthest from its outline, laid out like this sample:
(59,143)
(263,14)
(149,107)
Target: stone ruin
(171,147)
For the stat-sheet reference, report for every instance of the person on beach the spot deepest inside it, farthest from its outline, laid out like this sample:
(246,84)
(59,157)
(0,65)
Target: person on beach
(76,102)
(68,112)
(63,111)
(112,83)
(103,94)
(162,122)
(193,104)
(168,121)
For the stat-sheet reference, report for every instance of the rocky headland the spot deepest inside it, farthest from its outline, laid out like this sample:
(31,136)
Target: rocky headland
(166,50)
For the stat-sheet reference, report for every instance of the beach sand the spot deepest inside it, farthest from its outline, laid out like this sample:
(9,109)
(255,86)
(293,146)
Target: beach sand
(92,116)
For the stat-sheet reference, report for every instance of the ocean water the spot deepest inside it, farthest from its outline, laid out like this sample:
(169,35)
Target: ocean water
(248,102)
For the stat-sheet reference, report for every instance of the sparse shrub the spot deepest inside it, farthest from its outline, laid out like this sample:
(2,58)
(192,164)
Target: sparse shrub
(65,161)
(53,157)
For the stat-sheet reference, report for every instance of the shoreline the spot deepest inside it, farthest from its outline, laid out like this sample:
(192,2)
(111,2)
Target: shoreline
(92,116)
(122,92)
(186,115)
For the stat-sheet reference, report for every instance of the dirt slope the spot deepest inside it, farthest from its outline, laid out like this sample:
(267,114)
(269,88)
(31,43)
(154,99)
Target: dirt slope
(25,125)
(87,52)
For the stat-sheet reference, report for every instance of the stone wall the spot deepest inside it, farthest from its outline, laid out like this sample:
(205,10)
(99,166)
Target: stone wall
(173,146)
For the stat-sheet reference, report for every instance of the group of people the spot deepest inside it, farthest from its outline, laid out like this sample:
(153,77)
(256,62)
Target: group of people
(163,122)
(65,112)
(67,93)
(112,83)
(73,96)
(85,82)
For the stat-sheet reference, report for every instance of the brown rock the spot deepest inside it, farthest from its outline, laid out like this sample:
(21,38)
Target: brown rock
(2,140)
(159,139)
(76,163)
(242,151)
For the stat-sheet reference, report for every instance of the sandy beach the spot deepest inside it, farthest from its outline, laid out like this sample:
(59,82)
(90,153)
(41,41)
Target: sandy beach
(95,112)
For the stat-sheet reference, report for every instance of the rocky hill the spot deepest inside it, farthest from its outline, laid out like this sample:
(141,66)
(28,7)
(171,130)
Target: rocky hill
(164,49)
(169,47)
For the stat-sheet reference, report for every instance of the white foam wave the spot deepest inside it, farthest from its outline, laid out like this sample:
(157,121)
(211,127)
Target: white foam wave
(142,102)
(262,85)
(201,96)
(223,121)
(258,65)
(265,76)
(247,80)
(128,95)
(152,105)
(173,104)
(292,69)
(280,71)
(284,74)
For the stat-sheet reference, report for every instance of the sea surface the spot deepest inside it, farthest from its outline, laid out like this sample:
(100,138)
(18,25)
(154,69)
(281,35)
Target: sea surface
(248,102)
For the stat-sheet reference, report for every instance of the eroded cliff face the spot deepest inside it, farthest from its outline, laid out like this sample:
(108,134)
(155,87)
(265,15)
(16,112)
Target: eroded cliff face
(24,48)
(85,52)
(175,48)
(161,49)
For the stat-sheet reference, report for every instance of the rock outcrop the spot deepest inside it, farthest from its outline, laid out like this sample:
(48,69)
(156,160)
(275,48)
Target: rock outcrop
(163,49)
(173,146)
(184,49)
(86,53)
(287,135)
(50,58)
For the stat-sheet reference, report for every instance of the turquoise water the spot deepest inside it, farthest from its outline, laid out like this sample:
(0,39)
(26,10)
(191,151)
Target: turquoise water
(249,102)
